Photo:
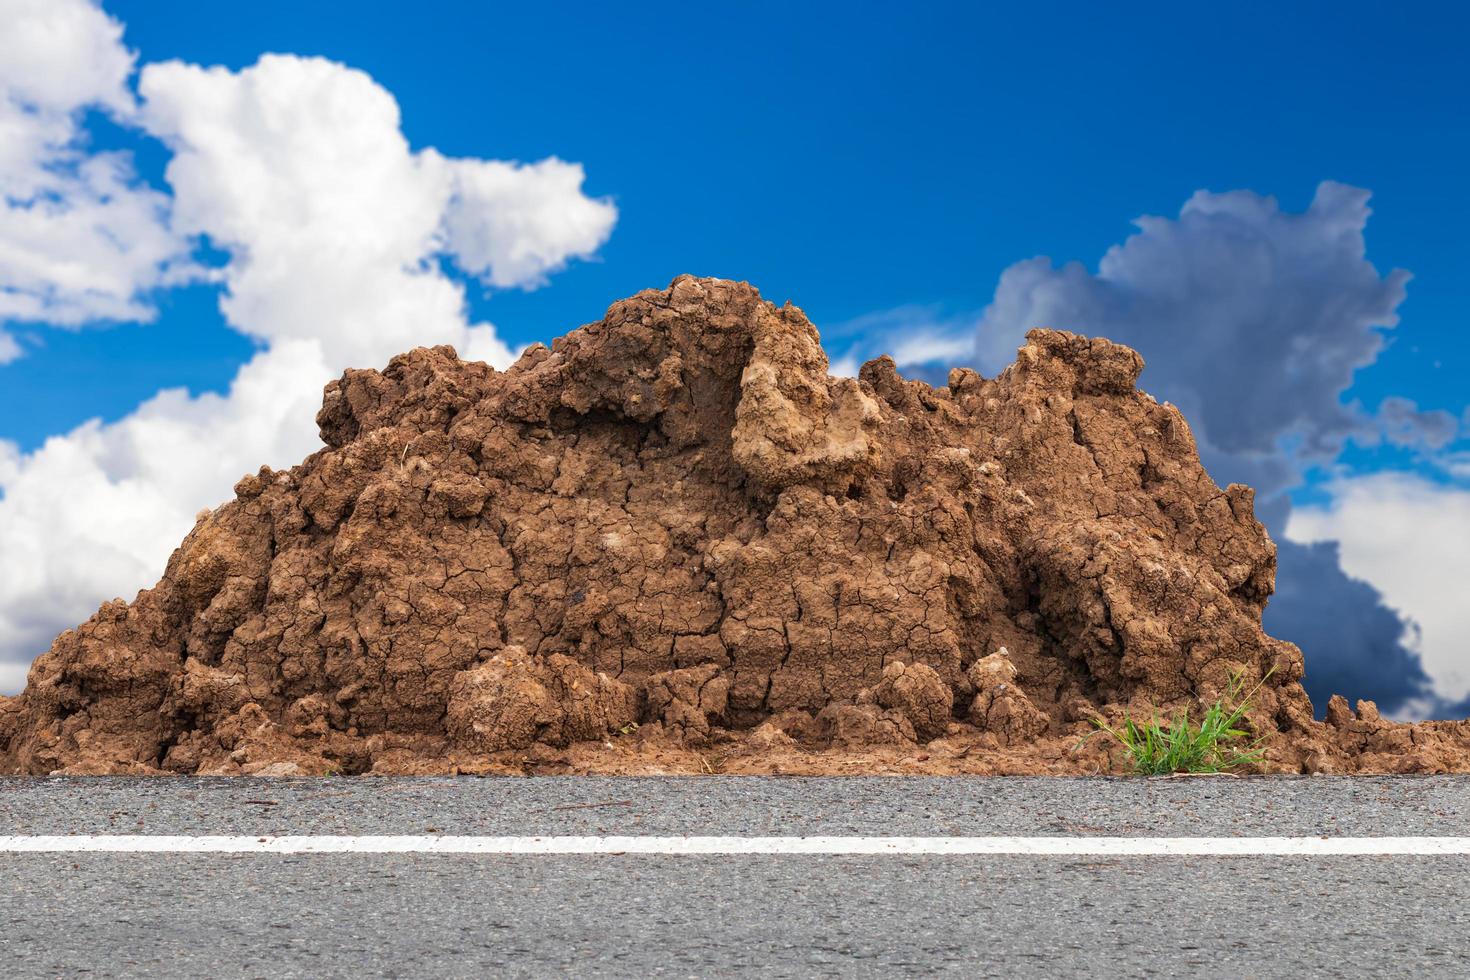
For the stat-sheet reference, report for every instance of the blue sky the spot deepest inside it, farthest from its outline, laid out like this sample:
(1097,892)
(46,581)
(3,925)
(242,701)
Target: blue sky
(855,161)
(877,166)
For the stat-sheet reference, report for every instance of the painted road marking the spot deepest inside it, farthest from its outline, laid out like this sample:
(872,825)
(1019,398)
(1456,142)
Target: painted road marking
(898,846)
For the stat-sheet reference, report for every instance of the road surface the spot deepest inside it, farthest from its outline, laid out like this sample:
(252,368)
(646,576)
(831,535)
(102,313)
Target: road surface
(620,911)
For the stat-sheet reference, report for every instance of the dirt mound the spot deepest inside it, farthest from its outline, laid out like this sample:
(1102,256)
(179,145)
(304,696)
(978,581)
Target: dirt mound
(671,542)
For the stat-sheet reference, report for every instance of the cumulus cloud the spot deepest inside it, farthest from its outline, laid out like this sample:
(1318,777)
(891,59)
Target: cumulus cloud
(511,224)
(81,239)
(58,55)
(96,512)
(334,230)
(1407,536)
(299,169)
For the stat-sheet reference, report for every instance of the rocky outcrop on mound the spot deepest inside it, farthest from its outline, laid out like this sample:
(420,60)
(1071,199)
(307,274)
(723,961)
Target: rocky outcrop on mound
(673,542)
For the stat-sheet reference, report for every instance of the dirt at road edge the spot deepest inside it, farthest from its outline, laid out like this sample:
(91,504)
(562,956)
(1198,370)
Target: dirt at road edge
(671,542)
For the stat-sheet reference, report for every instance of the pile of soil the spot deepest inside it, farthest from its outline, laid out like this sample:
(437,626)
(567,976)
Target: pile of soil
(672,543)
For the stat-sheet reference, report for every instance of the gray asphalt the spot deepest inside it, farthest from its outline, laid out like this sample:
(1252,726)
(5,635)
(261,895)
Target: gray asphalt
(440,915)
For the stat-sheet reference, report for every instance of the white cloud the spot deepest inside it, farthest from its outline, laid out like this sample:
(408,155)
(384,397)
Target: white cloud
(922,346)
(9,461)
(1455,464)
(1406,536)
(914,336)
(334,228)
(9,349)
(297,167)
(96,512)
(56,55)
(88,248)
(81,239)
(511,224)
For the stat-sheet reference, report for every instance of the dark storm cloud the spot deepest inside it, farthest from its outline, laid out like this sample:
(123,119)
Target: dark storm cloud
(1354,644)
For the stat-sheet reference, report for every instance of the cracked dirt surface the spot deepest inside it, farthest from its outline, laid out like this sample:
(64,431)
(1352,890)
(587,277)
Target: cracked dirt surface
(672,543)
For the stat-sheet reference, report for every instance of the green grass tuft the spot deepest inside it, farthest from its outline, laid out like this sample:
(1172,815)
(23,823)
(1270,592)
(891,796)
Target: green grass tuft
(1216,744)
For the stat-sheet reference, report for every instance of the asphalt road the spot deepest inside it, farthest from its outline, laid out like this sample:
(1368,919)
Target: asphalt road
(229,915)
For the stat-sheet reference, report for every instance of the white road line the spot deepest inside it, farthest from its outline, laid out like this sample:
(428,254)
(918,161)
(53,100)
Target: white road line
(896,846)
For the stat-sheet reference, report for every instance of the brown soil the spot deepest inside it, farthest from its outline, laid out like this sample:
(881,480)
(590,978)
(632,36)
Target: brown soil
(672,543)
